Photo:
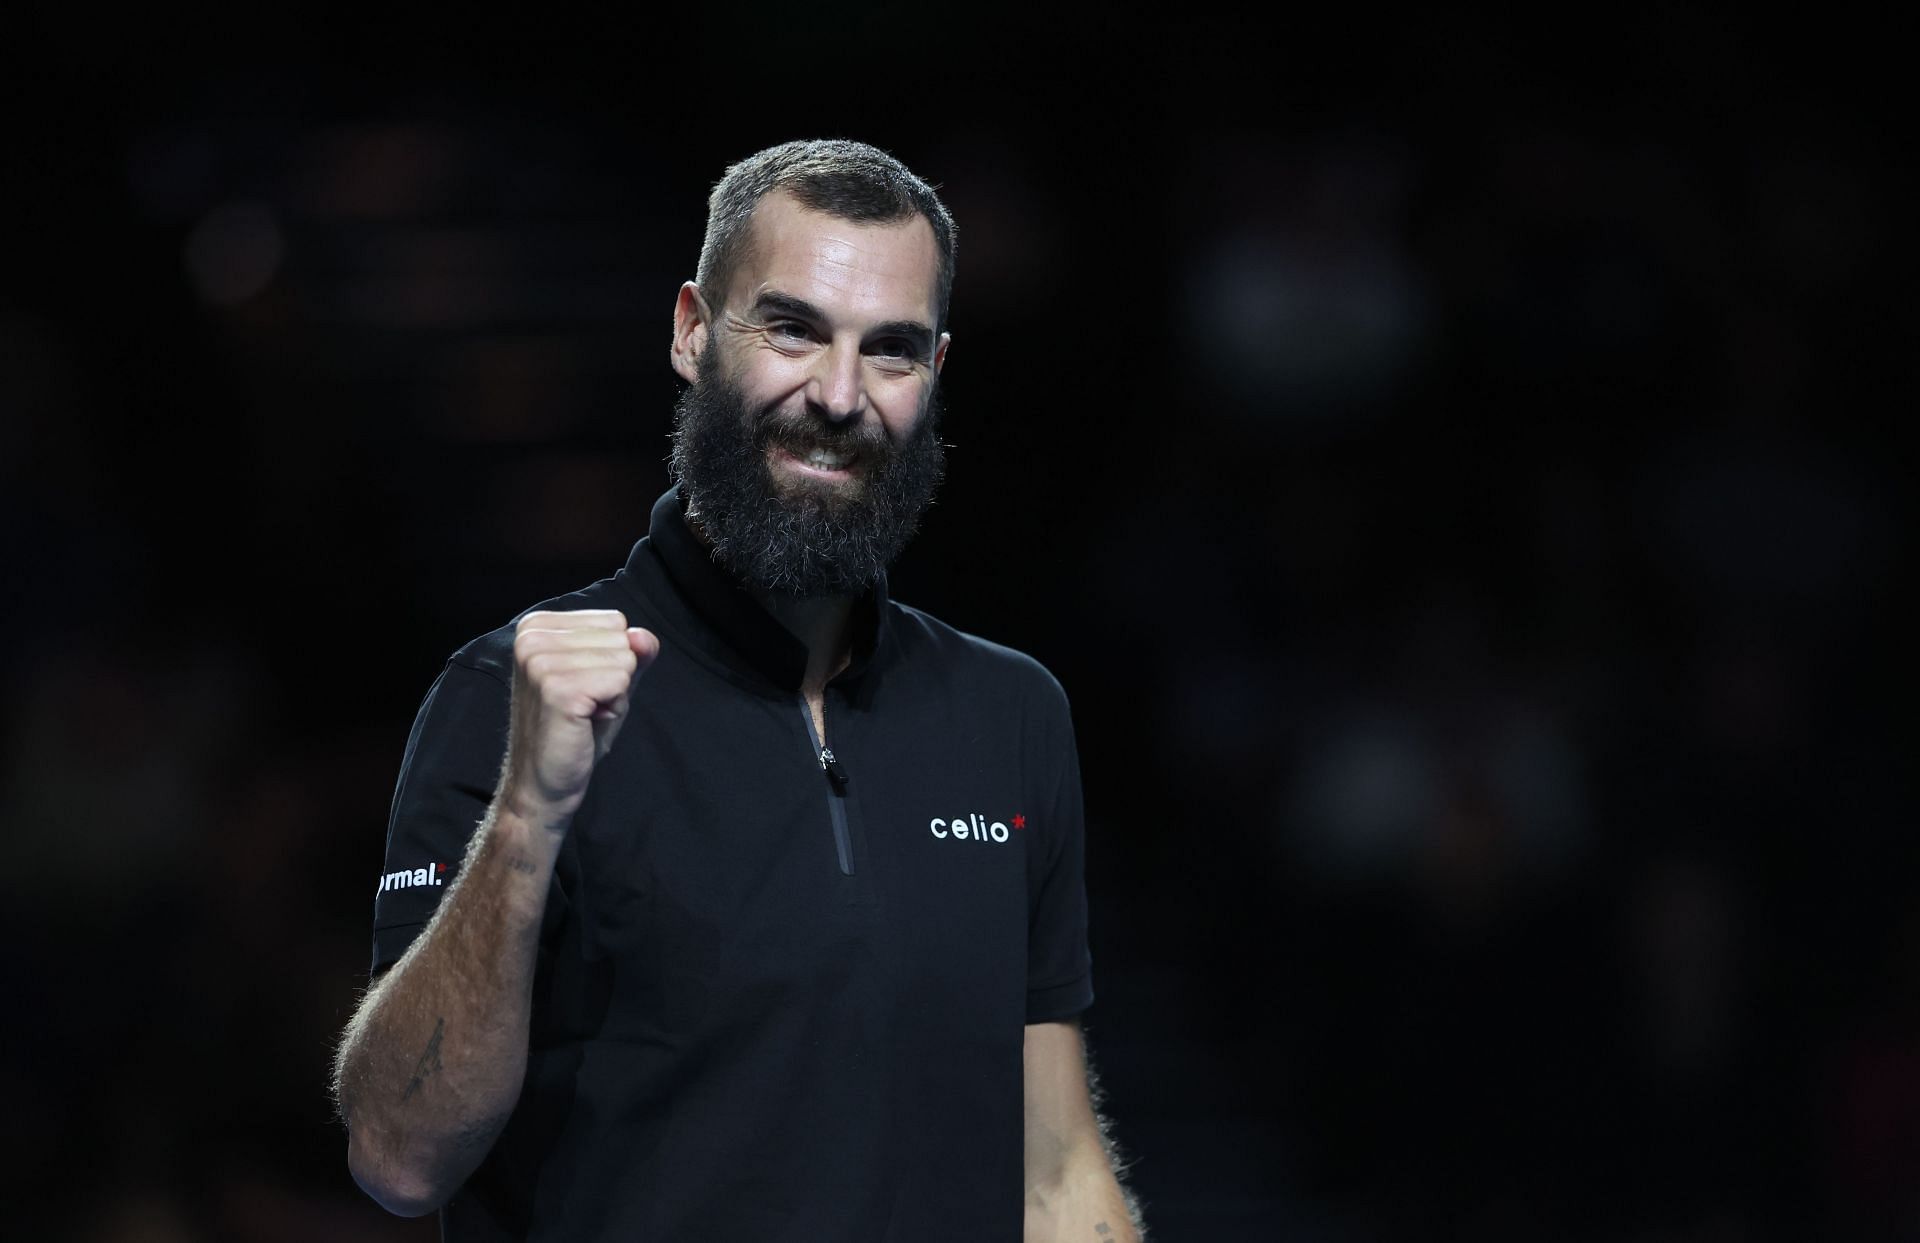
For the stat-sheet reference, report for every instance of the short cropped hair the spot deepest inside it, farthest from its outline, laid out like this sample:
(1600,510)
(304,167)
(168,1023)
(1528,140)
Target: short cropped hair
(844,179)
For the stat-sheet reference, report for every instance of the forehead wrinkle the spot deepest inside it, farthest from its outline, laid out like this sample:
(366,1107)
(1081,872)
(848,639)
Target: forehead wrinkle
(790,252)
(863,275)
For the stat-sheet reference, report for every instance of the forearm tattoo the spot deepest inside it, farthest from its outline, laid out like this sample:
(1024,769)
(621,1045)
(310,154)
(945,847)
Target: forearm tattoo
(429,1061)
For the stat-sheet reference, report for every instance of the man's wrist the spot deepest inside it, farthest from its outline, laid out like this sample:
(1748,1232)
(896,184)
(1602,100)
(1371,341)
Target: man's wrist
(527,838)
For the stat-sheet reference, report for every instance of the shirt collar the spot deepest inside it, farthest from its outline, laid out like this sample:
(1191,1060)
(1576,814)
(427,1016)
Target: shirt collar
(747,635)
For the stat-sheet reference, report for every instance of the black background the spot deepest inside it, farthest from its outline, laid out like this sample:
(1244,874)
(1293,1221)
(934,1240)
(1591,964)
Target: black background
(1457,468)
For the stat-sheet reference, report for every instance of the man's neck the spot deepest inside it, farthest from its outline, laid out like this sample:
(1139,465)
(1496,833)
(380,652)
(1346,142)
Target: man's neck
(824,624)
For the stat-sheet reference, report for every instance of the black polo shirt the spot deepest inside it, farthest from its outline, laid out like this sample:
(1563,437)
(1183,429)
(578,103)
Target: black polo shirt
(773,1002)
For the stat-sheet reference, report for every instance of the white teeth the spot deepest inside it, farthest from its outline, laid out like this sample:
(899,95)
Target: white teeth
(825,460)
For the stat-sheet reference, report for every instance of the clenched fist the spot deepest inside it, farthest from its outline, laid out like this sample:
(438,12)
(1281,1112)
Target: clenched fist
(572,675)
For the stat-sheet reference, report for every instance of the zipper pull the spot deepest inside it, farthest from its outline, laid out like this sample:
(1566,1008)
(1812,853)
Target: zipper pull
(831,767)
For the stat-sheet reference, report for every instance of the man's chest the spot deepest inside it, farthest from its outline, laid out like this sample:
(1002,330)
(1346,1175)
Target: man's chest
(720,868)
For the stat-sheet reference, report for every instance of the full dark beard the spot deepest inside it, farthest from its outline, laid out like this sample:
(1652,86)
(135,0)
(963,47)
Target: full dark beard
(799,541)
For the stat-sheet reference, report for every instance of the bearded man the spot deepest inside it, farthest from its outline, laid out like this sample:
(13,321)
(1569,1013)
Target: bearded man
(728,898)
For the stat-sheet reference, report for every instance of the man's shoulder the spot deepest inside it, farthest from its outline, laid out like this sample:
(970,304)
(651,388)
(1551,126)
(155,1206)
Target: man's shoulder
(925,640)
(492,652)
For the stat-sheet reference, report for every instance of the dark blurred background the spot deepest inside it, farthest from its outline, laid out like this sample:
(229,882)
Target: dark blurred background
(1458,470)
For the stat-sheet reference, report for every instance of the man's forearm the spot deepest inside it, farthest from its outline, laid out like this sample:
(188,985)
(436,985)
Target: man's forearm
(1072,1168)
(431,1065)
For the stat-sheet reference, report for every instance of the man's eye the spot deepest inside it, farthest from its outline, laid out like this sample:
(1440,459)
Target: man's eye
(792,330)
(895,349)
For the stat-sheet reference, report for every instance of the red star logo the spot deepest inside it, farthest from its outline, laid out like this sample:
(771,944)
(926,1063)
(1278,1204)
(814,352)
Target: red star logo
(440,867)
(1019,822)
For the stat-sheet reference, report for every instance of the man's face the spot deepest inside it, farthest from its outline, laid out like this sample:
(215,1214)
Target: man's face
(807,442)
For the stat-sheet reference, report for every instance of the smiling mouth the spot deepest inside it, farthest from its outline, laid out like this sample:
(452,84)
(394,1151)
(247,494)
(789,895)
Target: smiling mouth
(816,462)
(823,459)
(818,458)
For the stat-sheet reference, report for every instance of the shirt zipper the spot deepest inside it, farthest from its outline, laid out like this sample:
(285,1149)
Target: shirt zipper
(836,789)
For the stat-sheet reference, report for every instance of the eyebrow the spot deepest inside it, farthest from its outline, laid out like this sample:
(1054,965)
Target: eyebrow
(786,304)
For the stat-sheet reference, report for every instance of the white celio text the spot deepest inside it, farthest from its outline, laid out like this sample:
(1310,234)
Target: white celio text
(970,828)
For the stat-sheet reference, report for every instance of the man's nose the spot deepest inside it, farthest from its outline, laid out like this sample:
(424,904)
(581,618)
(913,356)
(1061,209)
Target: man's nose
(838,386)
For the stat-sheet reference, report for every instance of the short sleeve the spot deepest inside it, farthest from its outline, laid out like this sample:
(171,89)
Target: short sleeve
(1059,965)
(447,779)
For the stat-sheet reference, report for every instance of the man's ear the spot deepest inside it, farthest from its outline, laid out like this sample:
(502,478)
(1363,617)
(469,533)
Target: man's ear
(940,351)
(692,326)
